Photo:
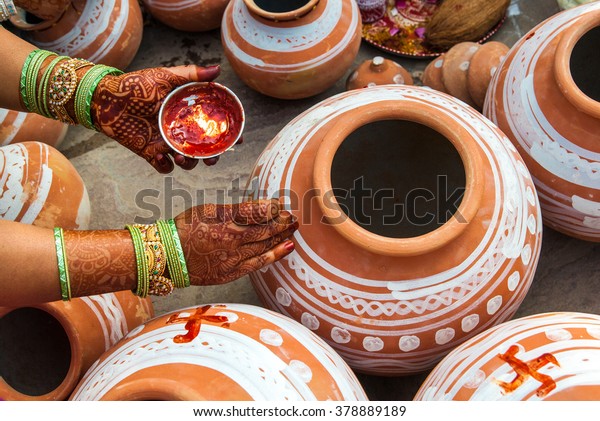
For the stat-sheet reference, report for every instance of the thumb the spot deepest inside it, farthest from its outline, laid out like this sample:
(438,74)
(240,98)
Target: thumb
(193,73)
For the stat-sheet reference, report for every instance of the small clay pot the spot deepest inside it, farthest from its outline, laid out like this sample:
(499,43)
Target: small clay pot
(432,75)
(41,187)
(291,49)
(378,71)
(16,127)
(484,64)
(189,16)
(455,70)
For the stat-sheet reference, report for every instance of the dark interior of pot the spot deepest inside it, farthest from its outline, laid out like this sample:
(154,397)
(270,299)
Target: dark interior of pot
(280,6)
(35,353)
(398,178)
(585,63)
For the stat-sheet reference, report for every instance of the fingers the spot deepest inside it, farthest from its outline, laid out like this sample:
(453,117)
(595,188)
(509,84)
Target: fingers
(193,73)
(265,231)
(162,163)
(258,262)
(209,162)
(259,247)
(185,162)
(256,212)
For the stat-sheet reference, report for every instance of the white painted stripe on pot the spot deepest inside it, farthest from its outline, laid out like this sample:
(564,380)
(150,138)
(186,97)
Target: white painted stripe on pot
(12,179)
(172,5)
(16,125)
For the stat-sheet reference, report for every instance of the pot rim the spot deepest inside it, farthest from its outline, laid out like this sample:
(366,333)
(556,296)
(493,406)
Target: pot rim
(562,63)
(281,16)
(418,113)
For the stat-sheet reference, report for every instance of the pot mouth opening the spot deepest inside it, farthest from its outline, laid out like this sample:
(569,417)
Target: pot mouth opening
(281,9)
(585,63)
(35,351)
(397,179)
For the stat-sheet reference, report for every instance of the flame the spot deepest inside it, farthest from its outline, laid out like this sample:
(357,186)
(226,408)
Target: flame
(211,128)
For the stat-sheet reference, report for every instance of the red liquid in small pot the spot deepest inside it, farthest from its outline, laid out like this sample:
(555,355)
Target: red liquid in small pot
(202,121)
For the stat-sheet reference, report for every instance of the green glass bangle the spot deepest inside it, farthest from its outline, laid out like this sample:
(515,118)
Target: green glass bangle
(177,266)
(143,277)
(22,82)
(179,250)
(32,71)
(85,92)
(63,269)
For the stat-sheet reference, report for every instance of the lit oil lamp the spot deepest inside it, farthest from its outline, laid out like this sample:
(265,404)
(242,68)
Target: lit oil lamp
(201,119)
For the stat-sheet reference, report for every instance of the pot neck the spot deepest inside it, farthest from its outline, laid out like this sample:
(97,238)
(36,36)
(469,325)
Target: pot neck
(296,10)
(392,110)
(562,64)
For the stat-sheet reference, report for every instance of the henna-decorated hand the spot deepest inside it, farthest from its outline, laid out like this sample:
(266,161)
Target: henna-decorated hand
(125,108)
(222,243)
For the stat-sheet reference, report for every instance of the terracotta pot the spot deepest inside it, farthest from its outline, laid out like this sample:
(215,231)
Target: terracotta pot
(550,357)
(465,71)
(39,186)
(188,15)
(16,127)
(220,352)
(545,97)
(46,349)
(104,31)
(378,71)
(294,54)
(393,287)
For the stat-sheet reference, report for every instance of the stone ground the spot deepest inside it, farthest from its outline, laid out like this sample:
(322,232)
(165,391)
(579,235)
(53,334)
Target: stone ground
(567,276)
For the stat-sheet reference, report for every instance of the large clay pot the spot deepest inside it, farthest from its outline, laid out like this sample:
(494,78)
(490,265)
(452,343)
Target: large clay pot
(102,31)
(393,287)
(40,186)
(294,52)
(188,15)
(546,98)
(16,127)
(46,349)
(551,356)
(220,352)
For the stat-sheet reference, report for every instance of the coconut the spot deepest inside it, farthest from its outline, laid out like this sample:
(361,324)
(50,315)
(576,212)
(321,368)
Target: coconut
(459,21)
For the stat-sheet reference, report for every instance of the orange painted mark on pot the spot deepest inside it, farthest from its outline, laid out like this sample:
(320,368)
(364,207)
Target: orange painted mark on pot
(194,322)
(529,36)
(528,369)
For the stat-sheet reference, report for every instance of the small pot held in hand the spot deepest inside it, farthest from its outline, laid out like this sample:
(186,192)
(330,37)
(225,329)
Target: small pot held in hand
(201,119)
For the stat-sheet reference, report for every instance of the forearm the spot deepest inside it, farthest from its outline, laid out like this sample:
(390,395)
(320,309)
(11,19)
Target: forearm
(13,53)
(98,262)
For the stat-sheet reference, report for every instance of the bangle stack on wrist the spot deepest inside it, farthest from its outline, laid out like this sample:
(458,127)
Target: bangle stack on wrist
(158,248)
(47,90)
(7,9)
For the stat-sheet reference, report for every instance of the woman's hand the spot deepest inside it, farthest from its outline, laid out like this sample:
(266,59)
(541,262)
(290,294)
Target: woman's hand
(125,108)
(222,243)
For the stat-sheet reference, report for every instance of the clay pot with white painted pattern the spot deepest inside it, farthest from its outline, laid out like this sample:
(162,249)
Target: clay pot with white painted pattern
(419,225)
(546,98)
(548,357)
(101,31)
(291,49)
(47,348)
(378,71)
(188,15)
(16,127)
(220,352)
(40,186)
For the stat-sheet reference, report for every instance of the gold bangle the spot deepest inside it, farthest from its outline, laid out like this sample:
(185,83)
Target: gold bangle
(63,87)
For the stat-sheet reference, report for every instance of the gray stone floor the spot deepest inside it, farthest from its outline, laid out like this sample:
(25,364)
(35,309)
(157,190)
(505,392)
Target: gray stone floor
(567,278)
